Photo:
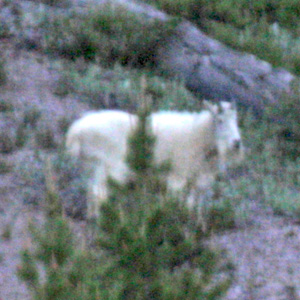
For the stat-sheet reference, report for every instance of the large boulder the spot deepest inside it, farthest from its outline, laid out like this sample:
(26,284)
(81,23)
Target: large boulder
(209,68)
(213,71)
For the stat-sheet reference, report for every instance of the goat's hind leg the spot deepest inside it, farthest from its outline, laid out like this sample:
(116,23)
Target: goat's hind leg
(99,187)
(98,191)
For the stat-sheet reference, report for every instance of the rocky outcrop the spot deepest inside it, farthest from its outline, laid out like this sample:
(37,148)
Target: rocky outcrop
(209,68)
(212,70)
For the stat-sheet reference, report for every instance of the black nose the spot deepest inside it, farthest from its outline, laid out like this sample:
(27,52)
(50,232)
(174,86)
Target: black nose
(237,144)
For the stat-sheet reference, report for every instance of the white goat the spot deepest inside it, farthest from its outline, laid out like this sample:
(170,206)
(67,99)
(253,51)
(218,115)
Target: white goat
(198,145)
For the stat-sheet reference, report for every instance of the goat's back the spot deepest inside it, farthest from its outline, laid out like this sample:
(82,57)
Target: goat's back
(99,133)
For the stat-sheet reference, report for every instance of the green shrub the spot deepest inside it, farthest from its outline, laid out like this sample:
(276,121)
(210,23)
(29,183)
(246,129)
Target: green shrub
(153,240)
(72,183)
(189,9)
(287,129)
(24,128)
(7,142)
(239,14)
(63,86)
(7,232)
(3,73)
(45,137)
(120,88)
(71,177)
(110,33)
(6,106)
(31,116)
(225,11)
(283,199)
(257,39)
(268,29)
(64,124)
(273,174)
(58,3)
(31,178)
(219,216)
(4,31)
(21,136)
(225,205)
(5,166)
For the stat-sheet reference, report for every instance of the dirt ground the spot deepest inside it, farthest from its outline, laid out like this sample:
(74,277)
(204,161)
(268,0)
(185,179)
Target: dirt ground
(266,253)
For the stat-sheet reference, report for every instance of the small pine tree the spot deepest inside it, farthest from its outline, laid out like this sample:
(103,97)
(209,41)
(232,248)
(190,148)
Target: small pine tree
(55,252)
(153,248)
(148,246)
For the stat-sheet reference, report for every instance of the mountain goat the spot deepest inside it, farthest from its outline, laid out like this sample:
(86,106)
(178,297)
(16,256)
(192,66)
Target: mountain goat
(198,145)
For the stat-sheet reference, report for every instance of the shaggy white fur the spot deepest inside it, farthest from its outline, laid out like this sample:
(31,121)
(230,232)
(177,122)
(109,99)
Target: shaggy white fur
(198,145)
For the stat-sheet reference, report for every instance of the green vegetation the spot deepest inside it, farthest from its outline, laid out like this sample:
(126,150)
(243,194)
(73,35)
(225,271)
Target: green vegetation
(120,88)
(146,243)
(7,142)
(3,73)
(5,166)
(59,3)
(105,44)
(45,138)
(265,28)
(31,116)
(30,175)
(262,40)
(6,232)
(274,174)
(69,173)
(21,136)
(28,127)
(4,30)
(108,35)
(149,244)
(6,106)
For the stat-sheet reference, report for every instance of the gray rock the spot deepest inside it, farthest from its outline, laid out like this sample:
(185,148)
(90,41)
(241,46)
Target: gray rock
(209,68)
(213,71)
